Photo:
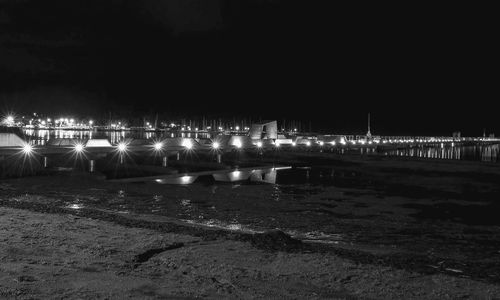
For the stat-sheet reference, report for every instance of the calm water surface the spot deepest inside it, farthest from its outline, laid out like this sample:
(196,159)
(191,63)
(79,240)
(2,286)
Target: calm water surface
(41,137)
(486,153)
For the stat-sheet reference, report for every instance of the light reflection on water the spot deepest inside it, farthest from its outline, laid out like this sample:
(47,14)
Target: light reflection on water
(214,223)
(251,207)
(485,153)
(42,136)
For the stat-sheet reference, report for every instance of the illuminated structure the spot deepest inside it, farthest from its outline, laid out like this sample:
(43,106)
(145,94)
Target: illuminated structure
(10,140)
(267,130)
(368,134)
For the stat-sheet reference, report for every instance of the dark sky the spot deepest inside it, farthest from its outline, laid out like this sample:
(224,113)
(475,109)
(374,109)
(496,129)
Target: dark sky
(418,70)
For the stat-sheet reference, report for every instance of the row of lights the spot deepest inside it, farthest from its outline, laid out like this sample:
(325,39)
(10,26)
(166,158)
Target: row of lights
(10,120)
(188,144)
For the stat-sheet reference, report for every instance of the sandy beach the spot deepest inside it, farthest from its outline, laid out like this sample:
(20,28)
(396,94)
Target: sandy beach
(54,256)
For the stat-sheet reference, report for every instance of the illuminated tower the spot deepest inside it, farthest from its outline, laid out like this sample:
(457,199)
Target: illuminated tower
(368,134)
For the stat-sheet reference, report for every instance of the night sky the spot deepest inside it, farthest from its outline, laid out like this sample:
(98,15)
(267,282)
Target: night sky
(418,70)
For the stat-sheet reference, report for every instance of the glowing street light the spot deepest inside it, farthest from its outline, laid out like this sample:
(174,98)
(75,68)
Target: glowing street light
(9,120)
(259,144)
(237,144)
(321,143)
(79,148)
(215,145)
(294,144)
(158,146)
(188,144)
(27,149)
(308,144)
(122,147)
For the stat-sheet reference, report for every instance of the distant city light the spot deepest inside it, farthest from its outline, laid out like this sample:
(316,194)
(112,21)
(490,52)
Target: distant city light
(259,144)
(294,144)
(91,122)
(333,143)
(9,119)
(215,145)
(237,128)
(308,143)
(321,143)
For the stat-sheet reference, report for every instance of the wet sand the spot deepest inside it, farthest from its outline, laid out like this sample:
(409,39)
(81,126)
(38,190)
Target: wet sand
(397,228)
(65,256)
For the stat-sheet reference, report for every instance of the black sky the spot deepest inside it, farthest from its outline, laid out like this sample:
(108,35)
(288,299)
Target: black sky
(419,70)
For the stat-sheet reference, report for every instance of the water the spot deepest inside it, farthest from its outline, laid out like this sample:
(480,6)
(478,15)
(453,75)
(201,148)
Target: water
(485,153)
(300,202)
(42,136)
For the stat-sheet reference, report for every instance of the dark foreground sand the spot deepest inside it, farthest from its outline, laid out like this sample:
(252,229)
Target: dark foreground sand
(65,256)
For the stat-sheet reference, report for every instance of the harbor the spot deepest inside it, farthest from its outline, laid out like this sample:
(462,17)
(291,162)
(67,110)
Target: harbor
(41,147)
(248,149)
